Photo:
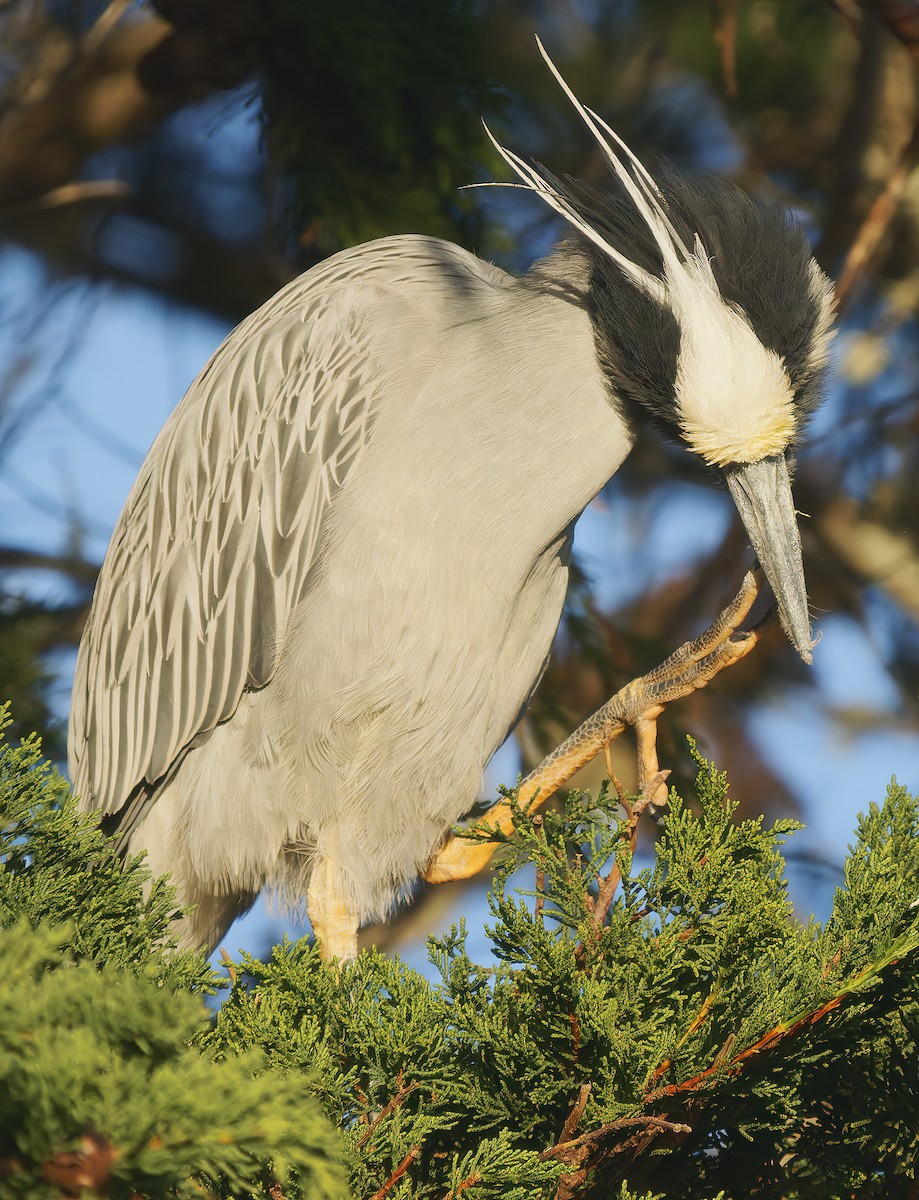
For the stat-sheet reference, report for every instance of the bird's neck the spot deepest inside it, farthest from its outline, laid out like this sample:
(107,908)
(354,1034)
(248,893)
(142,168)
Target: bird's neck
(569,434)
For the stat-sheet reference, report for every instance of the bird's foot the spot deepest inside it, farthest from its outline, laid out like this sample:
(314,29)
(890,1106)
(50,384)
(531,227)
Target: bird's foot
(638,704)
(332,916)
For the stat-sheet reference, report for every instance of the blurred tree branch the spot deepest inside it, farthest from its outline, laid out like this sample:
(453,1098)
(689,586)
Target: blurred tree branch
(77,569)
(75,97)
(78,95)
(878,555)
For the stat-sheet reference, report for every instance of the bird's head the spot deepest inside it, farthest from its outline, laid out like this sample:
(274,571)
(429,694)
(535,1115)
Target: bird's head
(711,315)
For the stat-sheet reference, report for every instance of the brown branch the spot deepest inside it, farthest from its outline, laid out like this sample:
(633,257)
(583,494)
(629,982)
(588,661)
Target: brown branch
(696,1023)
(229,964)
(92,191)
(95,100)
(613,777)
(73,1171)
(577,1111)
(779,1033)
(575,1037)
(397,1174)
(391,1104)
(464,1185)
(569,1184)
(575,1151)
(614,878)
(567,1151)
(724,35)
(586,1159)
(767,1042)
(104,24)
(117,81)
(540,902)
(902,19)
(877,220)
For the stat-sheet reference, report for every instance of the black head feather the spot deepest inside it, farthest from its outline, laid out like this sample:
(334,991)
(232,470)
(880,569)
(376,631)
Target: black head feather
(761,261)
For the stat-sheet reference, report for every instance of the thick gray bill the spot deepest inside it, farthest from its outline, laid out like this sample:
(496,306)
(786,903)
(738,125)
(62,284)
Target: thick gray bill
(762,493)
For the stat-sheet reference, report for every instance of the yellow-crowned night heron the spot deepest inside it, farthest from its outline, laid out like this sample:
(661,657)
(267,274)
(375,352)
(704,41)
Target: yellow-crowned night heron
(334,585)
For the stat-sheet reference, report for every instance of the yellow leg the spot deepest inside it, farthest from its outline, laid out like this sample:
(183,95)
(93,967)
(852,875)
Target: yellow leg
(638,704)
(331,914)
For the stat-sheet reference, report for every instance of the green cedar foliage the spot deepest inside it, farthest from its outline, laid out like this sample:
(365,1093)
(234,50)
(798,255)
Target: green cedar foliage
(102,1085)
(694,1039)
(678,1036)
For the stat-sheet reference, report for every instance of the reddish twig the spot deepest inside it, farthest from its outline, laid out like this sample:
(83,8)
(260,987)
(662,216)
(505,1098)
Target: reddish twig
(611,882)
(613,777)
(724,35)
(695,1024)
(388,1107)
(540,872)
(769,1040)
(564,1150)
(464,1185)
(575,1036)
(229,964)
(397,1174)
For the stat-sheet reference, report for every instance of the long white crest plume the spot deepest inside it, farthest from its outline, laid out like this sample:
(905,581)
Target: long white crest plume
(544,185)
(642,190)
(637,184)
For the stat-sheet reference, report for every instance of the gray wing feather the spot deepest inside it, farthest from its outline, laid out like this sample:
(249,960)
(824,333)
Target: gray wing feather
(215,545)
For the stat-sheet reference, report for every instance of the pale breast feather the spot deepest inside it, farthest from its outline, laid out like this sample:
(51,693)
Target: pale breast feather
(218,538)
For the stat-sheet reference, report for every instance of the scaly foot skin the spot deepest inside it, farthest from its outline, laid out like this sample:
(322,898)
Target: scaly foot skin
(638,704)
(334,921)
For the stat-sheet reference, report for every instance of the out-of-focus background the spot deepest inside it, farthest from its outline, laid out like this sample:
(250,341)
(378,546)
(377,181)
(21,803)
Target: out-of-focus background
(165,167)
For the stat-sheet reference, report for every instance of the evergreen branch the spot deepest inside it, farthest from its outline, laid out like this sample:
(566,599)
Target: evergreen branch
(630,831)
(794,1025)
(698,1020)
(540,901)
(464,1185)
(697,950)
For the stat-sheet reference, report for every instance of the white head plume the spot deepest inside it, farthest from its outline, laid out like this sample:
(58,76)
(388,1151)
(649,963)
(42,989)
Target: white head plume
(735,400)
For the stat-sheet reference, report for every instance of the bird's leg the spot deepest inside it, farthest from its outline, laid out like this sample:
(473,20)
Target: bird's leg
(331,914)
(638,704)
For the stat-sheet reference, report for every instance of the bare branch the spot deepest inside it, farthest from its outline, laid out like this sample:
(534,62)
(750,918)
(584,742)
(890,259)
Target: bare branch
(725,38)
(15,557)
(887,559)
(397,1174)
(877,220)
